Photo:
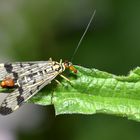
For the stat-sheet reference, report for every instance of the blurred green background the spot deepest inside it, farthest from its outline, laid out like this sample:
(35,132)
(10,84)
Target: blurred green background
(36,30)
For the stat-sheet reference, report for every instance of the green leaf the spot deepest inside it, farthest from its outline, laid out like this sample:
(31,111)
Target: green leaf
(92,91)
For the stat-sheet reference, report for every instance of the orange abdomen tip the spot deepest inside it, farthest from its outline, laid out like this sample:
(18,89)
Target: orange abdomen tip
(3,85)
(7,83)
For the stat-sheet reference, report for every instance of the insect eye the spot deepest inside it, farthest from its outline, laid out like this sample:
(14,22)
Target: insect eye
(66,63)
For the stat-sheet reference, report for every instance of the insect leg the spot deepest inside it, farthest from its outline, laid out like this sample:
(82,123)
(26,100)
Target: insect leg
(57,82)
(64,77)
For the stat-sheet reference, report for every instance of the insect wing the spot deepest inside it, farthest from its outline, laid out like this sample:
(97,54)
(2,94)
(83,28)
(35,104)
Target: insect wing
(14,70)
(15,99)
(29,78)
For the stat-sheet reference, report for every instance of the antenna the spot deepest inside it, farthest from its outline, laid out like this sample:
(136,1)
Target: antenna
(80,41)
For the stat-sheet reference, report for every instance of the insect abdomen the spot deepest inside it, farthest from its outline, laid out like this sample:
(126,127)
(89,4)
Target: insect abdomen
(7,83)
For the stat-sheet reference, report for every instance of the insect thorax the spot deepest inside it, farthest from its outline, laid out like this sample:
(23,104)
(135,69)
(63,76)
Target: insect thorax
(58,66)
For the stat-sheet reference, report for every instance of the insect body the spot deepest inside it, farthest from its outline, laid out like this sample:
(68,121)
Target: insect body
(27,79)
